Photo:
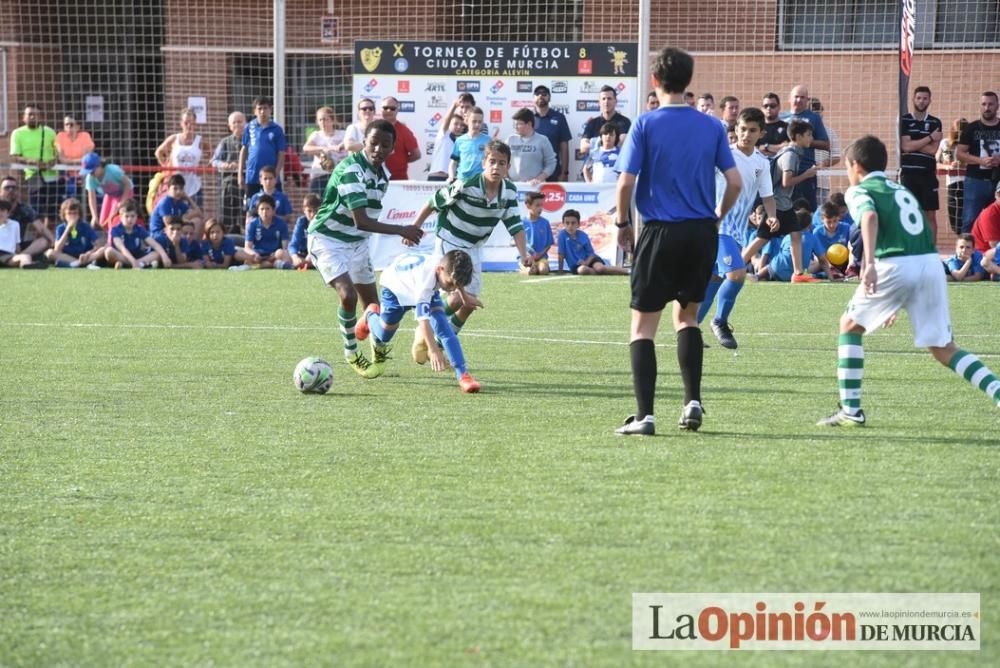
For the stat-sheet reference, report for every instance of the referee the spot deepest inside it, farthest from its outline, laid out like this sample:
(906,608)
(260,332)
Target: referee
(669,160)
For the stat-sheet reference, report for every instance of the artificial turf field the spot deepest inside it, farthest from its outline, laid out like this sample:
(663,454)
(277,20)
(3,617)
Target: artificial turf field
(168,497)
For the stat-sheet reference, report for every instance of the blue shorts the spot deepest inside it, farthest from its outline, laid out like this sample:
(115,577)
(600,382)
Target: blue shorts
(729,257)
(393,311)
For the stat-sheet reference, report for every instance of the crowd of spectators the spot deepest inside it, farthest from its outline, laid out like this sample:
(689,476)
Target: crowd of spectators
(73,212)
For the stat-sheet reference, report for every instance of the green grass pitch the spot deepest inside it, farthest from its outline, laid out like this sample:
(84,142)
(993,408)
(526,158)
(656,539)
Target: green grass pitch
(168,497)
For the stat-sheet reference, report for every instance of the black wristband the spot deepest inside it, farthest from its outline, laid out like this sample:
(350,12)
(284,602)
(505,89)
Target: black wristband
(621,225)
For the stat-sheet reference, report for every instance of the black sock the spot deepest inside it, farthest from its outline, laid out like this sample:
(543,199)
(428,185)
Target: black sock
(690,351)
(643,375)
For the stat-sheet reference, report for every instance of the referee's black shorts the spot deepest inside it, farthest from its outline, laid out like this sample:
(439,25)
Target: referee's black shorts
(673,261)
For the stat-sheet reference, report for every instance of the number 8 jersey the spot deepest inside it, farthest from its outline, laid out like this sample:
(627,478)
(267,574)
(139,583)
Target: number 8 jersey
(902,226)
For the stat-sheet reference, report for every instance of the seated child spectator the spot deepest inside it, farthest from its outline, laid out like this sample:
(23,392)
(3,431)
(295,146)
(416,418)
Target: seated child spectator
(413,281)
(990,263)
(217,250)
(173,241)
(77,244)
(176,203)
(601,161)
(780,266)
(269,187)
(837,199)
(267,238)
(537,235)
(831,229)
(532,158)
(10,240)
(576,250)
(298,246)
(131,243)
(468,154)
(967,263)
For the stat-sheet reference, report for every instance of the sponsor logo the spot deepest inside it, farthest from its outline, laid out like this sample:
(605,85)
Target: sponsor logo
(555,197)
(496,101)
(401,64)
(434,87)
(407,107)
(403,86)
(561,108)
(524,87)
(587,105)
(467,86)
(581,198)
(370,58)
(371,85)
(429,148)
(560,87)
(585,66)
(397,50)
(437,102)
(589,87)
(433,121)
(496,116)
(496,87)
(522,104)
(620,87)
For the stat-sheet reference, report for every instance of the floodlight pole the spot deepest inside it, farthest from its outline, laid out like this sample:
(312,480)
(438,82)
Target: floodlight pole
(279,61)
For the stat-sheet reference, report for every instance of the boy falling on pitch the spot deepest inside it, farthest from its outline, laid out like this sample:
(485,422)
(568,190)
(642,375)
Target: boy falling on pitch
(900,269)
(412,281)
(468,210)
(338,235)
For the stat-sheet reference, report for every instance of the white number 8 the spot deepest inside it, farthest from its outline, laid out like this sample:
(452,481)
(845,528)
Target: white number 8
(910,215)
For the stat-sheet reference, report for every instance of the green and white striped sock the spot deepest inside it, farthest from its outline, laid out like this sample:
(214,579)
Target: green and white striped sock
(456,324)
(850,369)
(969,367)
(347,322)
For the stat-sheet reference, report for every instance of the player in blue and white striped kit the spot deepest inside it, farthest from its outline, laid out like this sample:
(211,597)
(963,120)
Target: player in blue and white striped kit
(412,281)
(755,170)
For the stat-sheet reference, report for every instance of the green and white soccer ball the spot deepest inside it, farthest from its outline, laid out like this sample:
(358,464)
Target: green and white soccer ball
(313,375)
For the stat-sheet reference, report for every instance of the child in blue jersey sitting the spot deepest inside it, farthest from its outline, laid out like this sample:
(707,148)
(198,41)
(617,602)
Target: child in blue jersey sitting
(470,148)
(298,246)
(831,229)
(269,186)
(77,243)
(778,254)
(217,250)
(131,243)
(967,263)
(266,239)
(576,250)
(175,203)
(537,235)
(413,281)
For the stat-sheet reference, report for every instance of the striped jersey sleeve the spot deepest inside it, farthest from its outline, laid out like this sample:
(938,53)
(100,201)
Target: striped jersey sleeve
(466,217)
(354,184)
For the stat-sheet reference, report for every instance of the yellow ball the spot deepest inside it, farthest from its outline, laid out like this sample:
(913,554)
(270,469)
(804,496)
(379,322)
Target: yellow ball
(837,254)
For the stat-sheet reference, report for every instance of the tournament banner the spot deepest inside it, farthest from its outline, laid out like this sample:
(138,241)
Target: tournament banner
(426,77)
(594,201)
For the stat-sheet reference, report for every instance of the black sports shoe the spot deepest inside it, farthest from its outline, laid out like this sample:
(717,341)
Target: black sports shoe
(691,416)
(724,333)
(633,427)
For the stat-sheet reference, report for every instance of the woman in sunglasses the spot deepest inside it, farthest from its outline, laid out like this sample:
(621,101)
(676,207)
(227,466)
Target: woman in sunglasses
(355,133)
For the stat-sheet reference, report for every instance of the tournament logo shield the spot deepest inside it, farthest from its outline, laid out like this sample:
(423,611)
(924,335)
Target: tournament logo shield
(370,58)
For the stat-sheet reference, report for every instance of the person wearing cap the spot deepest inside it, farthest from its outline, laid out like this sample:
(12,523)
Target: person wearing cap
(986,228)
(552,125)
(106,180)
(34,145)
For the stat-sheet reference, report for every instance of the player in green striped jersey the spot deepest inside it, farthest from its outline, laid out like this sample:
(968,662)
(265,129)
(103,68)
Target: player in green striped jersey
(338,236)
(467,211)
(900,270)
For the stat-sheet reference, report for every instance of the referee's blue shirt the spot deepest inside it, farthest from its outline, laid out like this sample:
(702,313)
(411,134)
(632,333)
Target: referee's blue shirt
(675,151)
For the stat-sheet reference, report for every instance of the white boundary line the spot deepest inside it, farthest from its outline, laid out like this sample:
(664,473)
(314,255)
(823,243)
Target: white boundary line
(549,278)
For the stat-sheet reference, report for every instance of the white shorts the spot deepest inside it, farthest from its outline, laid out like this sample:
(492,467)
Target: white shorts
(441,247)
(914,283)
(335,258)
